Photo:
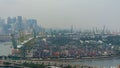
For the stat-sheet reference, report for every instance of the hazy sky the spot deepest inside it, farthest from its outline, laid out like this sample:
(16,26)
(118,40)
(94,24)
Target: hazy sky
(64,13)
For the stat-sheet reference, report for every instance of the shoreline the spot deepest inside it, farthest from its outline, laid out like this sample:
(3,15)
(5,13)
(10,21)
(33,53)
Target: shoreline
(65,62)
(77,59)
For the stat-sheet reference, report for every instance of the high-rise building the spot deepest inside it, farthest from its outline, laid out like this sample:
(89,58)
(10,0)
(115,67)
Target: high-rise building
(19,19)
(19,23)
(9,20)
(32,23)
(14,20)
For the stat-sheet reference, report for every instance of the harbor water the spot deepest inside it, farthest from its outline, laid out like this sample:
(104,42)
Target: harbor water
(99,63)
(5,48)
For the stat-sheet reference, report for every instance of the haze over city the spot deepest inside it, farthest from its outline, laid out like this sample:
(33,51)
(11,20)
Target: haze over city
(59,33)
(64,13)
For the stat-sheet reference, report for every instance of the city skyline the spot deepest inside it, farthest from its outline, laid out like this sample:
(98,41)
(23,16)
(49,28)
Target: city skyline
(15,24)
(63,13)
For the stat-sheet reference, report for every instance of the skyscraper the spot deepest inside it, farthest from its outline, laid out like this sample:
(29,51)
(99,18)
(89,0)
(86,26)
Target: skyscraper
(32,22)
(19,23)
(19,19)
(14,20)
(9,20)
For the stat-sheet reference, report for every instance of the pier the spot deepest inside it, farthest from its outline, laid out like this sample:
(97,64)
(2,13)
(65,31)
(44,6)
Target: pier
(19,63)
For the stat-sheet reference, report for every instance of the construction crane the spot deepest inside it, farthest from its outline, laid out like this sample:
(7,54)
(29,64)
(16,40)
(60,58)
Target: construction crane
(34,33)
(15,46)
(14,42)
(102,33)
